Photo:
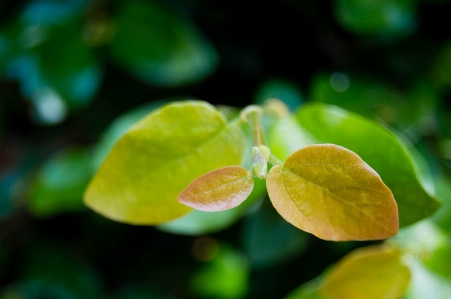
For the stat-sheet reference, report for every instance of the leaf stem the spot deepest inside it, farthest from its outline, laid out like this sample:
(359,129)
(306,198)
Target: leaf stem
(274,160)
(252,114)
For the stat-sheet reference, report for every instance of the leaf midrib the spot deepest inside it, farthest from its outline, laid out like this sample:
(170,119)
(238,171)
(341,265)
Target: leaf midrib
(333,195)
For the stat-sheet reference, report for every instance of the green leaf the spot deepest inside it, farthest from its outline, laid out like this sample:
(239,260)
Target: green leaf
(55,69)
(119,127)
(60,183)
(159,47)
(308,290)
(67,66)
(425,283)
(429,244)
(420,239)
(158,157)
(442,184)
(286,136)
(330,192)
(218,190)
(225,277)
(376,17)
(370,272)
(378,147)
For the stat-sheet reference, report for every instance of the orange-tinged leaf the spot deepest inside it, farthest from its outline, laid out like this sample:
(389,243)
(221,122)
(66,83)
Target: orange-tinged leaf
(218,190)
(329,191)
(374,272)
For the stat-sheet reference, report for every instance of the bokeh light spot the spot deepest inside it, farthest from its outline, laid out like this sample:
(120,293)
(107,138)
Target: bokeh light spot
(339,82)
(50,107)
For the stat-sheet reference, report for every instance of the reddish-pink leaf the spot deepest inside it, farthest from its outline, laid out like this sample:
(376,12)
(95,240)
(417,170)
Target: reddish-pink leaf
(218,190)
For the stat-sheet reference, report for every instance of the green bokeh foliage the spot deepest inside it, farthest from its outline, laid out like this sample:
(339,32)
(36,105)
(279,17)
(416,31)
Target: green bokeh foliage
(75,75)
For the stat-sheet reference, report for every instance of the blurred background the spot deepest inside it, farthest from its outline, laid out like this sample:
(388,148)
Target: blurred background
(75,74)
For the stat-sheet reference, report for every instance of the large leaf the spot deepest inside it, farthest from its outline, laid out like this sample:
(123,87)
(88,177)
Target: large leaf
(160,47)
(218,190)
(150,165)
(330,192)
(119,127)
(371,273)
(286,136)
(378,147)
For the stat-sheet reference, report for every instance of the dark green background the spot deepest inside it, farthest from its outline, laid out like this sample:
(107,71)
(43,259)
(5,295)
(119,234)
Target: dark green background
(399,72)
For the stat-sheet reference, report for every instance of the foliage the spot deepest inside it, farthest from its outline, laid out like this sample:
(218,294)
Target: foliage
(324,189)
(100,99)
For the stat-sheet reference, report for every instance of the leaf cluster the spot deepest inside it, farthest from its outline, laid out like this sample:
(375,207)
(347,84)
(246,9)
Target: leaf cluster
(191,149)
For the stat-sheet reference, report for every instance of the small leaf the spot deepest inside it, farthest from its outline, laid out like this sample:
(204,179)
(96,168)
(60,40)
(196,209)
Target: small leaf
(158,157)
(197,223)
(372,273)
(218,190)
(330,192)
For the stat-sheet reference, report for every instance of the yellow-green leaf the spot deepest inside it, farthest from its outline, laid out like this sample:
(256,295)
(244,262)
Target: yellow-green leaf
(218,190)
(381,149)
(158,157)
(372,273)
(330,192)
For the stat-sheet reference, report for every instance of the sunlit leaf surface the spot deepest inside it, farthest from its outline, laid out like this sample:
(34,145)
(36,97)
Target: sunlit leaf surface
(119,127)
(218,190)
(330,192)
(151,164)
(378,147)
(371,272)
